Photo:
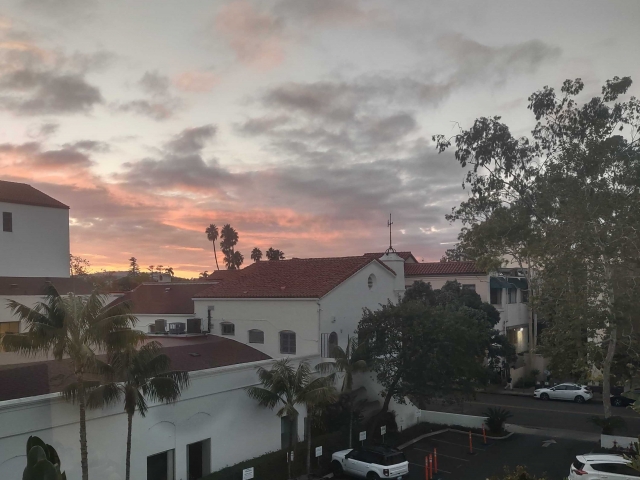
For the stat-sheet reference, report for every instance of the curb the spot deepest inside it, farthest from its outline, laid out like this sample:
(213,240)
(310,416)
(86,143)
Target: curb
(504,437)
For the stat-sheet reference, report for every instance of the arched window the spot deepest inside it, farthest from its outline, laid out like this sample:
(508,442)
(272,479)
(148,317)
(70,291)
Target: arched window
(333,343)
(256,336)
(371,281)
(227,328)
(288,342)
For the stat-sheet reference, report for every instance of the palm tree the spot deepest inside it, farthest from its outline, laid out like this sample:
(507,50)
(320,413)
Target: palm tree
(140,375)
(204,274)
(275,254)
(256,254)
(348,363)
(212,236)
(287,387)
(74,328)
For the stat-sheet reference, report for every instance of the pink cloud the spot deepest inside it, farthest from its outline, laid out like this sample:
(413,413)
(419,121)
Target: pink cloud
(195,81)
(256,38)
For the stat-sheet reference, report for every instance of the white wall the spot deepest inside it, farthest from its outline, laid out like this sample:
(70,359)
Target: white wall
(452,419)
(39,243)
(215,406)
(345,303)
(269,315)
(145,320)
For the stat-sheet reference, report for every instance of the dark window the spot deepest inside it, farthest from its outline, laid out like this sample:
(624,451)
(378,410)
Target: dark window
(256,336)
(496,296)
(470,286)
(513,295)
(525,296)
(288,342)
(357,455)
(228,328)
(604,467)
(578,465)
(394,459)
(625,470)
(7,222)
(560,387)
(333,343)
(371,457)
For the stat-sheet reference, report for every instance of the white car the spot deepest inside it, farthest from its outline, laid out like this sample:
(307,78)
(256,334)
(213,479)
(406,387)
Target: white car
(594,466)
(565,391)
(372,463)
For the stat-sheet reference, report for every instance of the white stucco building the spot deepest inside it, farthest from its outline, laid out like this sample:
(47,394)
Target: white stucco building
(34,240)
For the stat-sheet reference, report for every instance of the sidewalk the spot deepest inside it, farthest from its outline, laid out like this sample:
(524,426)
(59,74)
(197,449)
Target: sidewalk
(528,392)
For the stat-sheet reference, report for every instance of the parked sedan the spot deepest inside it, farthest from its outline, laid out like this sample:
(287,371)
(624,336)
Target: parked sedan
(565,391)
(595,466)
(625,399)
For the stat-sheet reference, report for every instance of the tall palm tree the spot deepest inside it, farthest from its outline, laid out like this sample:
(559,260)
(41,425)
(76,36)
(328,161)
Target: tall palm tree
(212,236)
(76,328)
(256,254)
(139,375)
(288,387)
(348,363)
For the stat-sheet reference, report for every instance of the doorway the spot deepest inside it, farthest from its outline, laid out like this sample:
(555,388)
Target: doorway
(161,466)
(198,459)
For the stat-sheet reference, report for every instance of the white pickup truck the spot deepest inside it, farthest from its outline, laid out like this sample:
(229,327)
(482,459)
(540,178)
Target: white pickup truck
(372,463)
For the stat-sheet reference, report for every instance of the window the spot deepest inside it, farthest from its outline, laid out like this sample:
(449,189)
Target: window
(256,336)
(161,466)
(525,296)
(512,295)
(470,286)
(371,281)
(228,328)
(288,342)
(333,343)
(496,296)
(7,222)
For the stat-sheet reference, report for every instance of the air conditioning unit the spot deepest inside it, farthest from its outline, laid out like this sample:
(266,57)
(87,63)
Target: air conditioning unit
(177,328)
(152,328)
(194,325)
(161,326)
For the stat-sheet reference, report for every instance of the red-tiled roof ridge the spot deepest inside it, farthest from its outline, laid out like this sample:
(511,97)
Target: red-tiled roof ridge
(25,194)
(441,268)
(293,278)
(404,255)
(163,298)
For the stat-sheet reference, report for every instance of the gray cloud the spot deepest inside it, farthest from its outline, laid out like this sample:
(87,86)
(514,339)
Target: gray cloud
(192,140)
(89,146)
(44,130)
(156,110)
(154,83)
(33,154)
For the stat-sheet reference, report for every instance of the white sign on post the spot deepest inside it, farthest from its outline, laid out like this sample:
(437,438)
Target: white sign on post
(319,451)
(247,473)
(292,456)
(383,430)
(363,436)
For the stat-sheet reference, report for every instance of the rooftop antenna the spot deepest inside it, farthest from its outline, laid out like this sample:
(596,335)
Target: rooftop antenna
(390,249)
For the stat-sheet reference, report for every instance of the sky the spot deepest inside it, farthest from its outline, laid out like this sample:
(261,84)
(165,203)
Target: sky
(302,123)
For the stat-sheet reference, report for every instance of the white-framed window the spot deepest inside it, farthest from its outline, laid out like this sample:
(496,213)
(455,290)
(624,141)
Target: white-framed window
(227,328)
(371,281)
(288,342)
(469,286)
(256,336)
(495,295)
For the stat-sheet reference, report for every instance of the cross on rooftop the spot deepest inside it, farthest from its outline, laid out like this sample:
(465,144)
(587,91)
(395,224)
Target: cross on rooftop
(390,249)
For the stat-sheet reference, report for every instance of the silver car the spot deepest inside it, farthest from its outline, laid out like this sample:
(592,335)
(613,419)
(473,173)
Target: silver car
(565,391)
(595,466)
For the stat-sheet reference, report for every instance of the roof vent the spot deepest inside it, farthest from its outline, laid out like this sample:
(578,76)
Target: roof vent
(167,289)
(282,287)
(245,292)
(194,354)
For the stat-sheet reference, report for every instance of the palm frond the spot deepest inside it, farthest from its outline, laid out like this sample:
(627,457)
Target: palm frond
(103,395)
(265,397)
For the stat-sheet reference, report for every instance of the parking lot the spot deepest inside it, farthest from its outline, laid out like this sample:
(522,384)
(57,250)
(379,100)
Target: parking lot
(541,455)
(455,461)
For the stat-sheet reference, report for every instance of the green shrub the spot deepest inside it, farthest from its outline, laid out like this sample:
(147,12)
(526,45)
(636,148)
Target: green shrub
(496,418)
(608,425)
(43,462)
(518,474)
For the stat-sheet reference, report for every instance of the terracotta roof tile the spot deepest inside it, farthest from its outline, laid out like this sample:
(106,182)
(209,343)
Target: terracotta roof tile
(186,353)
(294,278)
(23,194)
(36,285)
(163,298)
(441,268)
(404,255)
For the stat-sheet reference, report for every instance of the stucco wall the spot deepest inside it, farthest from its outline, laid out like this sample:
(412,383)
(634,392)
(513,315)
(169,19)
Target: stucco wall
(39,243)
(271,316)
(345,303)
(215,406)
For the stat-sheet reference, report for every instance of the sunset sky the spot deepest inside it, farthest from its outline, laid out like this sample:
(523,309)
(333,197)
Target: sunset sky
(303,123)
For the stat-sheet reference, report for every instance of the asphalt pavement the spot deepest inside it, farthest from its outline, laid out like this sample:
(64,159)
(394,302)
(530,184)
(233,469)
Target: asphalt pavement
(530,412)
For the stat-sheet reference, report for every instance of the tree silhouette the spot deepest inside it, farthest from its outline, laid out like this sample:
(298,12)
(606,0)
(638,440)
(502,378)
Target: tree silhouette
(256,254)
(212,236)
(275,254)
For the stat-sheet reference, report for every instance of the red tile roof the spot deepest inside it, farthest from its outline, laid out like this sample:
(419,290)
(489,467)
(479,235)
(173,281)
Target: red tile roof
(441,268)
(404,255)
(163,298)
(294,278)
(23,194)
(39,378)
(36,285)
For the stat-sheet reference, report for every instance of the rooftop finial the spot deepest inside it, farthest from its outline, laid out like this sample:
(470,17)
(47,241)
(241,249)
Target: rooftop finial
(390,249)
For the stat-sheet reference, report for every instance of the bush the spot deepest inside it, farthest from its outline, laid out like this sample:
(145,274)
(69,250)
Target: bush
(608,425)
(518,474)
(496,418)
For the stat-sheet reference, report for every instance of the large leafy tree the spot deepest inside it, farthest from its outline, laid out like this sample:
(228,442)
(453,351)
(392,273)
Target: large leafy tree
(347,363)
(212,236)
(74,328)
(564,199)
(432,343)
(139,375)
(287,387)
